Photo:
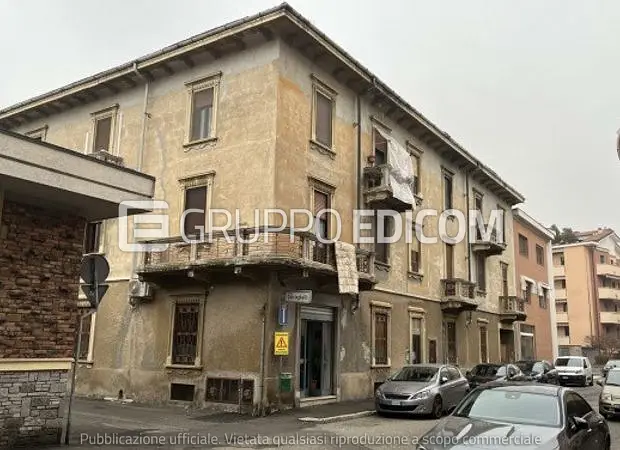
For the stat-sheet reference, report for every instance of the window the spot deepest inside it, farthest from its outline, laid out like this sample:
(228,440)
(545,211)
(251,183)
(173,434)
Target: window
(561,260)
(449,261)
(540,255)
(450,339)
(321,202)
(543,298)
(528,350)
(104,123)
(202,108)
(93,237)
(447,190)
(381,337)
(478,201)
(576,406)
(415,350)
(481,281)
(602,259)
(415,254)
(380,147)
(502,218)
(185,333)
(432,351)
(324,101)
(560,284)
(85,345)
(182,392)
(195,198)
(528,291)
(504,269)
(382,249)
(484,342)
(415,162)
(39,134)
(523,246)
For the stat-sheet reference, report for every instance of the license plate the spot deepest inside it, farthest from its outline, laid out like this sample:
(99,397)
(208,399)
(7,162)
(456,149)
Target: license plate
(395,402)
(564,377)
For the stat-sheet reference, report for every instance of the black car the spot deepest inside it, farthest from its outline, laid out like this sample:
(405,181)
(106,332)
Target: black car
(541,371)
(501,415)
(486,372)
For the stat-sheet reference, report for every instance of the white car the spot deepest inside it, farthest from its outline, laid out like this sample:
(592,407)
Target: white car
(574,370)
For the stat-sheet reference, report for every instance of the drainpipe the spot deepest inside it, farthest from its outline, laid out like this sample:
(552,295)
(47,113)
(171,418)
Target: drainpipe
(261,408)
(552,311)
(467,172)
(595,327)
(358,171)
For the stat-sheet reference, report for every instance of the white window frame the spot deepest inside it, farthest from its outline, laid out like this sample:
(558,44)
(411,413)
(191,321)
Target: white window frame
(212,81)
(416,160)
(382,308)
(418,314)
(40,132)
(199,299)
(91,339)
(195,181)
(322,88)
(110,112)
(415,241)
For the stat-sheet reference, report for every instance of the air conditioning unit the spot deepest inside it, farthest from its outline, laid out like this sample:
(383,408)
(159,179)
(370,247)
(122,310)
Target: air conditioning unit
(140,289)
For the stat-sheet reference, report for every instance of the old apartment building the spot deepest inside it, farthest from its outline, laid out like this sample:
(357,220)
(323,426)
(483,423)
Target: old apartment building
(45,202)
(587,290)
(533,243)
(267,112)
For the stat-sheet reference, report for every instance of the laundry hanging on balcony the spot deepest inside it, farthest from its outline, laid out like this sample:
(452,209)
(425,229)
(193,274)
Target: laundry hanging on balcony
(401,171)
(346,264)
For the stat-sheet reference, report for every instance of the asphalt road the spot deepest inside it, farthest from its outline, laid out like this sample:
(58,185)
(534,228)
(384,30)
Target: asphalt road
(148,428)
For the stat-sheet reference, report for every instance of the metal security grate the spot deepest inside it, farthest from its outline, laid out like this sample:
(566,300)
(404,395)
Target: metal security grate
(185,340)
(230,390)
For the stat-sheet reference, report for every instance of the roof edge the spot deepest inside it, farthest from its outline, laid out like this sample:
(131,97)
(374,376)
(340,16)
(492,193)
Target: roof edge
(526,218)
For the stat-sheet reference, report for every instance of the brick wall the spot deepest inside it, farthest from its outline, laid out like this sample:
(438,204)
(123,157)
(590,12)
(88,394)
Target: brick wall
(40,255)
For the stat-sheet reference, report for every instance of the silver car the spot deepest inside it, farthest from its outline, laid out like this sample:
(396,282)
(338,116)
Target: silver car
(428,389)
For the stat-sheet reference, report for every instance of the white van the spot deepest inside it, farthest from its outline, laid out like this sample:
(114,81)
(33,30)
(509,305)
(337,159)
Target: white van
(574,370)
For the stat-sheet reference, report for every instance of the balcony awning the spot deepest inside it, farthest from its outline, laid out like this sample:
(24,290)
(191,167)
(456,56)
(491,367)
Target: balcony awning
(401,170)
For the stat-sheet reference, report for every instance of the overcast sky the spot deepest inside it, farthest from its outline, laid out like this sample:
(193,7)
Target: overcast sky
(531,88)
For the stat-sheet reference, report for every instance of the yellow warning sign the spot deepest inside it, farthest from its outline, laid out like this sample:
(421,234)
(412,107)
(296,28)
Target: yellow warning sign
(280,344)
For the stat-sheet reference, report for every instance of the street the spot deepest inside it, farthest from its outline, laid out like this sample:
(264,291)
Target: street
(97,423)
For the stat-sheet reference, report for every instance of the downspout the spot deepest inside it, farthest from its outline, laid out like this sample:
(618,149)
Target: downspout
(552,311)
(359,175)
(594,283)
(467,172)
(261,407)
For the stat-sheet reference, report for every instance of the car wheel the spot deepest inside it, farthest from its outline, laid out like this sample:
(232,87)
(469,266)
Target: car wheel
(592,381)
(437,411)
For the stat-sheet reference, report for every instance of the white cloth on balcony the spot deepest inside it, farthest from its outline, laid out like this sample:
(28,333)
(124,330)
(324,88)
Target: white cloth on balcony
(401,170)
(346,264)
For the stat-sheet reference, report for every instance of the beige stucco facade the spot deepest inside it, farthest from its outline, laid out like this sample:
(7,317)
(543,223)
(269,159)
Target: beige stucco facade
(262,155)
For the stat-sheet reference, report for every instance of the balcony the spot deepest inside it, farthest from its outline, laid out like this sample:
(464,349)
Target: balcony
(251,252)
(458,295)
(511,309)
(561,317)
(560,294)
(607,293)
(610,317)
(559,271)
(563,340)
(490,246)
(608,270)
(378,193)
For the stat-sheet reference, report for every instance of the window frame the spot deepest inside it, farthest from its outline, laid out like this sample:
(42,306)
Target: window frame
(319,87)
(111,113)
(418,314)
(184,299)
(380,308)
(205,180)
(416,162)
(91,338)
(102,229)
(524,251)
(482,326)
(447,176)
(540,255)
(38,133)
(211,81)
(481,281)
(415,246)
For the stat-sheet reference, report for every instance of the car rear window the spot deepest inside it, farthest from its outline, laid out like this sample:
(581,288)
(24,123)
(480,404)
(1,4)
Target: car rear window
(569,362)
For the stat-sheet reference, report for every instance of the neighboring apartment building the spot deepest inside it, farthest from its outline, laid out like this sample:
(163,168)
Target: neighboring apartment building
(47,195)
(260,113)
(587,290)
(533,243)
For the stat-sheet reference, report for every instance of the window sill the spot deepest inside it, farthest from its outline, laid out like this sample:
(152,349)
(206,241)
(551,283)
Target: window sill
(322,148)
(380,366)
(86,363)
(415,275)
(206,142)
(183,367)
(385,267)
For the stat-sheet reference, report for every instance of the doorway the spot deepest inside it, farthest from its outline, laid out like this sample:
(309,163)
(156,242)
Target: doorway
(316,352)
(507,345)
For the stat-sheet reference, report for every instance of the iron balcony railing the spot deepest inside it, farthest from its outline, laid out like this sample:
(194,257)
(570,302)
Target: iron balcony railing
(458,288)
(512,305)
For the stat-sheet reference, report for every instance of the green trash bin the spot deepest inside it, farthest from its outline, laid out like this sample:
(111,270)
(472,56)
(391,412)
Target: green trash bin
(286,384)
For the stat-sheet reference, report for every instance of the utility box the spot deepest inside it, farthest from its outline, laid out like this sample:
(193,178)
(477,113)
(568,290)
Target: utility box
(286,382)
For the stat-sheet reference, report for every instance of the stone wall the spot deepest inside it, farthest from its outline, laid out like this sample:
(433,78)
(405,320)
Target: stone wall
(31,407)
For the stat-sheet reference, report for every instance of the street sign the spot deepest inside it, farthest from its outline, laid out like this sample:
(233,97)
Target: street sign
(95,269)
(298,296)
(283,315)
(280,344)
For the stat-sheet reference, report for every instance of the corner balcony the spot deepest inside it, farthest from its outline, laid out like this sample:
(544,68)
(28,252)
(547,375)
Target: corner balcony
(511,309)
(610,317)
(608,270)
(561,317)
(607,293)
(378,193)
(458,295)
(560,271)
(488,246)
(224,256)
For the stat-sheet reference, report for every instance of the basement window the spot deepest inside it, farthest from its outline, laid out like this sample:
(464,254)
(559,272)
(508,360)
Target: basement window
(182,392)
(230,390)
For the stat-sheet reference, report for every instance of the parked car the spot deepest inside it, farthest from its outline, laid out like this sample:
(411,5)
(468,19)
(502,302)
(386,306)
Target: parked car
(534,416)
(609,365)
(486,372)
(574,370)
(609,400)
(429,389)
(541,371)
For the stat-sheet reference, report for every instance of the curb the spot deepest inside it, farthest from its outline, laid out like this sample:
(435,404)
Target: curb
(339,418)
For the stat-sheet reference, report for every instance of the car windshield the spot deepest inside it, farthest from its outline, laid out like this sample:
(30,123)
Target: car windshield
(569,362)
(613,378)
(538,368)
(525,366)
(498,405)
(485,371)
(421,373)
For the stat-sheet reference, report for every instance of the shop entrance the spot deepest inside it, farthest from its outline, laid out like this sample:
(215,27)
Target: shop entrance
(316,351)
